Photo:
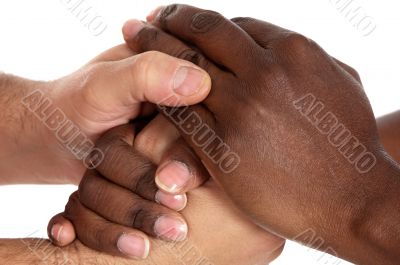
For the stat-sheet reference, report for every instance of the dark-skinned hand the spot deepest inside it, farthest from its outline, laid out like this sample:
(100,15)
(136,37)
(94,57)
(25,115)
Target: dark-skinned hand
(115,210)
(287,131)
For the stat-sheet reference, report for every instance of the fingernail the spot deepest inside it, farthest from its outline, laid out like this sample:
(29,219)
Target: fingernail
(188,81)
(134,246)
(57,232)
(131,28)
(153,14)
(169,228)
(174,202)
(173,177)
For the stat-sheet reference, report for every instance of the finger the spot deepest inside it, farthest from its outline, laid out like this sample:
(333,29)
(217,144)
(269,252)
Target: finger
(180,170)
(153,141)
(152,15)
(156,138)
(220,39)
(149,38)
(123,207)
(261,31)
(116,53)
(148,77)
(143,37)
(198,128)
(123,165)
(175,202)
(101,235)
(61,231)
(280,44)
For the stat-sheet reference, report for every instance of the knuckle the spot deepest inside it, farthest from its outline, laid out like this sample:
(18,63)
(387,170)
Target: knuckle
(297,43)
(147,143)
(296,40)
(88,189)
(147,36)
(100,236)
(70,208)
(271,77)
(353,72)
(137,215)
(143,65)
(206,21)
(137,175)
(146,58)
(146,184)
(166,12)
(107,141)
(242,20)
(194,57)
(112,154)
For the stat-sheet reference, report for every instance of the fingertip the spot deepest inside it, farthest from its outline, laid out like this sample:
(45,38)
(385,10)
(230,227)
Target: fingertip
(153,14)
(134,245)
(165,80)
(174,202)
(171,228)
(131,28)
(204,87)
(62,232)
(173,177)
(190,84)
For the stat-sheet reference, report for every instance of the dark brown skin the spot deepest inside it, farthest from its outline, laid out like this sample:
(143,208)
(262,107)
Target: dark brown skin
(389,132)
(17,251)
(290,177)
(106,205)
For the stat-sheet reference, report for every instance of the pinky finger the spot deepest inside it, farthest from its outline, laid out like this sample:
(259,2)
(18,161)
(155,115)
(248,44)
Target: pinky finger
(61,231)
(99,234)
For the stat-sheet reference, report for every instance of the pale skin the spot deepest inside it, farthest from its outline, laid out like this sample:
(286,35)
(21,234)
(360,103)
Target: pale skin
(86,99)
(260,246)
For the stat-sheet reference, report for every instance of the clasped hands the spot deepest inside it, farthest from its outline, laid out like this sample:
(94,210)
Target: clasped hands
(301,130)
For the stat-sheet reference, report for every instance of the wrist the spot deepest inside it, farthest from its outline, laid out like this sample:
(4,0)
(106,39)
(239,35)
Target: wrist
(21,134)
(15,118)
(375,227)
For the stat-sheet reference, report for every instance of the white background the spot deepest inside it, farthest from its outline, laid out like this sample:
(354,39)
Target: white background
(43,40)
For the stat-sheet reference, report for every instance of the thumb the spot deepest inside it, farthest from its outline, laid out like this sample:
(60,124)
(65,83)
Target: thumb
(152,77)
